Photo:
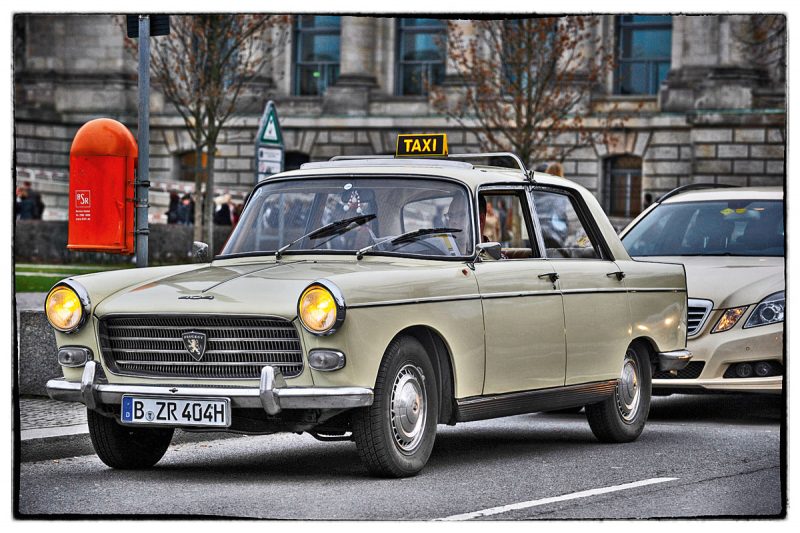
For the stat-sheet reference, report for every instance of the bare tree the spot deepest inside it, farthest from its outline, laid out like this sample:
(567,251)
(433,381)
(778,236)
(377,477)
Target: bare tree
(764,37)
(203,67)
(527,81)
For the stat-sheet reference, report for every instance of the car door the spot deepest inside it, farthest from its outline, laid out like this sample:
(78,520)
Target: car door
(596,311)
(523,312)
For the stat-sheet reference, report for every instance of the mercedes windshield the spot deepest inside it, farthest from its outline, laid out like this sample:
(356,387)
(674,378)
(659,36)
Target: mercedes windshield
(722,227)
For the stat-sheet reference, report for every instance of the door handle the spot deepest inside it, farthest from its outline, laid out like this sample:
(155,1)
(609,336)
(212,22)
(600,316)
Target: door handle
(619,274)
(552,276)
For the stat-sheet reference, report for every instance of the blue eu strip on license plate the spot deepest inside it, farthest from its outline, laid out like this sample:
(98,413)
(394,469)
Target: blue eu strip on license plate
(175,411)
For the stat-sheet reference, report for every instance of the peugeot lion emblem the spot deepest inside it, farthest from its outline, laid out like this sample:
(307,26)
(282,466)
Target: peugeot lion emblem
(195,343)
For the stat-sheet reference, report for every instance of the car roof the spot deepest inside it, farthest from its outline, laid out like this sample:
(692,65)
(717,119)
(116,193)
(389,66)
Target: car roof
(731,193)
(470,175)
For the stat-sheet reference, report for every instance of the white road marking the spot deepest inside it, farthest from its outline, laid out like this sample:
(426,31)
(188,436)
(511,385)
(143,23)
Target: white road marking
(565,497)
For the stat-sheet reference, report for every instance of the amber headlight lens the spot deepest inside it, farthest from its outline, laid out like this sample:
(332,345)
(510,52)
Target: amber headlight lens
(317,310)
(64,309)
(729,319)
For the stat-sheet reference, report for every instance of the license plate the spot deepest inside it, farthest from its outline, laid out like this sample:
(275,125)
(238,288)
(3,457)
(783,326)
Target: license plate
(175,411)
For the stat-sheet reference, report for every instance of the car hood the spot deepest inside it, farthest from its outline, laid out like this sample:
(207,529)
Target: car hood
(730,281)
(274,288)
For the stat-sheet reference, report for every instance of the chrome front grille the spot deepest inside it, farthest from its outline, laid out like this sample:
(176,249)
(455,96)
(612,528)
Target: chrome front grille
(236,347)
(698,312)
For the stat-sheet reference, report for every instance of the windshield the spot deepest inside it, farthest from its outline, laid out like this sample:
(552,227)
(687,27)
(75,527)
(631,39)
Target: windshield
(284,211)
(726,227)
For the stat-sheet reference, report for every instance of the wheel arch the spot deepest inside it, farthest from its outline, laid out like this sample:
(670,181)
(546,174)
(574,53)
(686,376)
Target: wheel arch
(652,350)
(441,358)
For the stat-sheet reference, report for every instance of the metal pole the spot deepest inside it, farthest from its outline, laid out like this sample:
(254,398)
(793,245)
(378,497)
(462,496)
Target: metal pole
(628,193)
(143,177)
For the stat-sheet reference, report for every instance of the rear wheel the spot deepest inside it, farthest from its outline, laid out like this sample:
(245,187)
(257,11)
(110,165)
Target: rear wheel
(395,435)
(622,416)
(125,447)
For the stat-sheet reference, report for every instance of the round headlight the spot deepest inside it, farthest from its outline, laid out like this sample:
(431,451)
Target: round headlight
(319,310)
(64,309)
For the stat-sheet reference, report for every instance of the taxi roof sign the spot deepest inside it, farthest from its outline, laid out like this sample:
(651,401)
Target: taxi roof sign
(421,145)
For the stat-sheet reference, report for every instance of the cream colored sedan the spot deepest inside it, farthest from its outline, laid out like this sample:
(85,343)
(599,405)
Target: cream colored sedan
(355,300)
(731,241)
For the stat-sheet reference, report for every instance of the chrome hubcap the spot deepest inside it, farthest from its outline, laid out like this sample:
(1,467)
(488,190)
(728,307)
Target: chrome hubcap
(408,408)
(628,389)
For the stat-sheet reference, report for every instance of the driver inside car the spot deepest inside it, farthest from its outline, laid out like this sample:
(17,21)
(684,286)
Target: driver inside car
(456,216)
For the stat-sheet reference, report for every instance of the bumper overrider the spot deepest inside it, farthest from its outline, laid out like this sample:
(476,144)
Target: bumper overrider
(674,360)
(272,393)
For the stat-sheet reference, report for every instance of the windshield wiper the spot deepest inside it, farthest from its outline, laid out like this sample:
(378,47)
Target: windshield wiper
(333,228)
(406,237)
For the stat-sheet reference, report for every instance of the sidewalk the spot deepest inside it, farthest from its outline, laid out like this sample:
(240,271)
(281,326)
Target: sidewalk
(51,430)
(30,301)
(43,418)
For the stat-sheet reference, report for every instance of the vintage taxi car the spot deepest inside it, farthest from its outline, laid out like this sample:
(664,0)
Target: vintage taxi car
(731,241)
(356,300)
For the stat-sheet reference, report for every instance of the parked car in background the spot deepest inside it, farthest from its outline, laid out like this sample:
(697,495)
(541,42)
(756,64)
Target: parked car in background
(731,241)
(355,300)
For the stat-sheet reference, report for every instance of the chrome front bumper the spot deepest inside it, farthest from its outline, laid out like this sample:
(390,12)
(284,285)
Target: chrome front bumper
(272,394)
(674,360)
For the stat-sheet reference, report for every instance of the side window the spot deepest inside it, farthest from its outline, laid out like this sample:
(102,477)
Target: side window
(502,219)
(562,229)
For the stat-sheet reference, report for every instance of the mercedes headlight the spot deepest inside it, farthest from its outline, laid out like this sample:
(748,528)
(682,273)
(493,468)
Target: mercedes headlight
(67,306)
(321,309)
(769,311)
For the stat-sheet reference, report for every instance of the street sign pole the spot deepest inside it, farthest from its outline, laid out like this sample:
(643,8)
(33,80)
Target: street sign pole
(143,176)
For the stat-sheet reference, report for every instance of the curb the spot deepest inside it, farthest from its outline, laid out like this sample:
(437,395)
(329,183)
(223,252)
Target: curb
(44,444)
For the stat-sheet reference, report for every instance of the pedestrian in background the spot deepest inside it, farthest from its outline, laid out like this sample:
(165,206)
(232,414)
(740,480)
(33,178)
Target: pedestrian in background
(237,213)
(502,215)
(555,169)
(223,215)
(185,211)
(172,212)
(24,207)
(491,227)
(31,204)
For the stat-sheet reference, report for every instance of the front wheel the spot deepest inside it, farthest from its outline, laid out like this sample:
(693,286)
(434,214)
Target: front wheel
(395,435)
(622,416)
(125,447)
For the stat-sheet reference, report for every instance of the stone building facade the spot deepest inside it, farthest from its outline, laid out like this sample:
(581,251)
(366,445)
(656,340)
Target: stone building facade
(705,109)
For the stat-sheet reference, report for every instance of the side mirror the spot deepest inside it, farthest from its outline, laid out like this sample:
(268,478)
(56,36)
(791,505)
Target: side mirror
(200,252)
(492,249)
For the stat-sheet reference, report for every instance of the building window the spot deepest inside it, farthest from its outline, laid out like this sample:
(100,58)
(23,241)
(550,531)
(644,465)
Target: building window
(622,186)
(644,46)
(187,166)
(421,52)
(316,54)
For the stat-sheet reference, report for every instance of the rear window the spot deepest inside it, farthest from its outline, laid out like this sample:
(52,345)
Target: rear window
(727,227)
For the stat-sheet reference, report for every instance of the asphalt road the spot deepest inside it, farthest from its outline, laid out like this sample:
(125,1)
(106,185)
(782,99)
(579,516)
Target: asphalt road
(699,456)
